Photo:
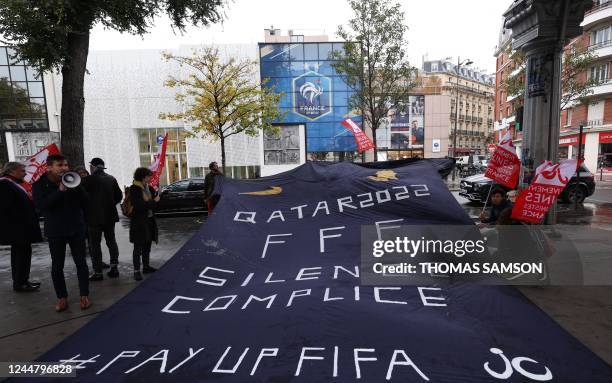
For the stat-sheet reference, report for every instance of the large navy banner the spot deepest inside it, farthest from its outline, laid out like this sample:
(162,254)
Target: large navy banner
(269,290)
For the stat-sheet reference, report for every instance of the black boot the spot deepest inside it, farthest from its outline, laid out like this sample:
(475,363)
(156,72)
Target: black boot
(137,276)
(148,269)
(113,272)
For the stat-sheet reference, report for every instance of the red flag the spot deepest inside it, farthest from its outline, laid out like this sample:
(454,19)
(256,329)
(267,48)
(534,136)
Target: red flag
(363,142)
(549,181)
(159,159)
(505,166)
(36,166)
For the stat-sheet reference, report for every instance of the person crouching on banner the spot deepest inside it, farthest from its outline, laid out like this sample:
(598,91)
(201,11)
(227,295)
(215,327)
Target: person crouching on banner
(143,228)
(19,226)
(499,203)
(63,209)
(209,186)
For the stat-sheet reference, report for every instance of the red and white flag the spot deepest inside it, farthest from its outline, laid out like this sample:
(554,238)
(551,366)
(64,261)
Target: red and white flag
(549,181)
(159,159)
(505,166)
(363,141)
(36,166)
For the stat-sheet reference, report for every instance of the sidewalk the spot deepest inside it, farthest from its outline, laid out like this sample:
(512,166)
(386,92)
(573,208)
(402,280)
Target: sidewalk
(29,325)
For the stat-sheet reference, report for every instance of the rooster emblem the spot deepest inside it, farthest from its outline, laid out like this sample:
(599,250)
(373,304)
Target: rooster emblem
(309,91)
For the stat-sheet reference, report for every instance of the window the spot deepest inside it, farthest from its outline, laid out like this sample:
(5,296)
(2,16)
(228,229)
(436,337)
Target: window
(434,67)
(601,36)
(297,38)
(179,186)
(196,185)
(599,72)
(569,117)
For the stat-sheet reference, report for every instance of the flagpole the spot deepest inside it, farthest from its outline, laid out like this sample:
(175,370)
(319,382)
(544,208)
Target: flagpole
(488,195)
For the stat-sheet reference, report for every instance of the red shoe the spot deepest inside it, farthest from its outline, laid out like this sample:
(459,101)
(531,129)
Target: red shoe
(61,305)
(85,304)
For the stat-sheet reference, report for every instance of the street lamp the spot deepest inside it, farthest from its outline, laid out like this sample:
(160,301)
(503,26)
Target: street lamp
(465,62)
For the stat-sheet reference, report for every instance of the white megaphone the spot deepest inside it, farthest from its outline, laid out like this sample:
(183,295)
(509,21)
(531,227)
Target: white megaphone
(71,180)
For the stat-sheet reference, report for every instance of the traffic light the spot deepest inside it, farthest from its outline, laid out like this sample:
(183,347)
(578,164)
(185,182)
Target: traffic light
(518,121)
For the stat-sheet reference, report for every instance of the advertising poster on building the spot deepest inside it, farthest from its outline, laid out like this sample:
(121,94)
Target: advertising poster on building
(406,124)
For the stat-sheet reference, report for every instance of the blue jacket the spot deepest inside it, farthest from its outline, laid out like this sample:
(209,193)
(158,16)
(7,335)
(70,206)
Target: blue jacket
(63,211)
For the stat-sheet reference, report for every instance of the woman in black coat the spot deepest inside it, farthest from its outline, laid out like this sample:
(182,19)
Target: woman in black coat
(143,228)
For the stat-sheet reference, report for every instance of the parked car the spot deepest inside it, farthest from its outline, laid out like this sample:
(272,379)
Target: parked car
(474,160)
(186,195)
(476,188)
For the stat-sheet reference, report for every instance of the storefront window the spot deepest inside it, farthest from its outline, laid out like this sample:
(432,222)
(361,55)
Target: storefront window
(175,167)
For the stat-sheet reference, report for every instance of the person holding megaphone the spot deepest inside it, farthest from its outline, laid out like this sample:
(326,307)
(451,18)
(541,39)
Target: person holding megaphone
(61,200)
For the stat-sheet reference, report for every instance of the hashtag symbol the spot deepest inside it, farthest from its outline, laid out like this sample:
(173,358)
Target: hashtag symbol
(79,363)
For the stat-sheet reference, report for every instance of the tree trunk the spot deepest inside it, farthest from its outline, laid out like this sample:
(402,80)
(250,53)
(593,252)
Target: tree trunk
(223,154)
(73,100)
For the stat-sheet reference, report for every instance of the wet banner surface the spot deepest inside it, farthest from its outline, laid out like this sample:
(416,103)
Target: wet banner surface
(268,290)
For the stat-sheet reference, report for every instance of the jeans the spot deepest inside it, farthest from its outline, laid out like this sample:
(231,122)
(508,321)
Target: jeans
(21,259)
(141,250)
(57,247)
(95,239)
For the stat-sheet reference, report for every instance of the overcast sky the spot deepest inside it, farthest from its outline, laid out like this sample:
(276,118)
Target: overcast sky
(437,28)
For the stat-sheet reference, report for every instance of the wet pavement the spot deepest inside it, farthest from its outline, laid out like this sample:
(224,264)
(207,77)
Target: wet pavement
(29,326)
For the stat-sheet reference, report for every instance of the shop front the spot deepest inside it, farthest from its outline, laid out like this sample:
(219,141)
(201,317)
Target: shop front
(605,151)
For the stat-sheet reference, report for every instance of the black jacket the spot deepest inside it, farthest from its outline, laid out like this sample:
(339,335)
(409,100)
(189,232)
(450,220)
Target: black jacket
(63,211)
(142,227)
(104,195)
(496,211)
(19,221)
(209,184)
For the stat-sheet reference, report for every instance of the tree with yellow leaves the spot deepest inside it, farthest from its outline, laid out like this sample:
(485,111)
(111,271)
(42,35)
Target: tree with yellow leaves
(222,98)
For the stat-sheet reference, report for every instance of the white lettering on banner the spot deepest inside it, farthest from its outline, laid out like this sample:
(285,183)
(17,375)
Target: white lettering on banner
(304,357)
(206,280)
(276,214)
(253,297)
(322,359)
(359,201)
(377,298)
(265,249)
(362,359)
(299,210)
(264,352)
(321,205)
(298,293)
(345,202)
(163,359)
(303,275)
(516,365)
(235,368)
(176,299)
(123,354)
(191,355)
(407,362)
(230,300)
(426,299)
(249,214)
(322,237)
(379,228)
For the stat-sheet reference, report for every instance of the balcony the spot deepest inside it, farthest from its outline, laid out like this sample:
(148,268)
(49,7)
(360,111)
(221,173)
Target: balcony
(603,49)
(603,89)
(597,14)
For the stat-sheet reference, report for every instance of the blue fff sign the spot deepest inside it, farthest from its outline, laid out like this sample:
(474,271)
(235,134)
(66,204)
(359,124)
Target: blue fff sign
(160,139)
(312,95)
(269,290)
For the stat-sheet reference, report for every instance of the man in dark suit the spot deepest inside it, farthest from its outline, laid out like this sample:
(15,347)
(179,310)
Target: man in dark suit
(209,186)
(19,225)
(63,209)
(101,214)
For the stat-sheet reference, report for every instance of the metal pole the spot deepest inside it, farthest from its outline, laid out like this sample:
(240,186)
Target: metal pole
(578,163)
(456,117)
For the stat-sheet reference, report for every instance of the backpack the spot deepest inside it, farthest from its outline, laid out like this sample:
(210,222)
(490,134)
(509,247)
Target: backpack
(126,206)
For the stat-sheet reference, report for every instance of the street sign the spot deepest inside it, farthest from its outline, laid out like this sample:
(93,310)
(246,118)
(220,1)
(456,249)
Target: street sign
(160,139)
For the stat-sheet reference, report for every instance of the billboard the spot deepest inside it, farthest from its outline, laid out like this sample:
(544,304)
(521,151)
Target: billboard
(313,94)
(406,124)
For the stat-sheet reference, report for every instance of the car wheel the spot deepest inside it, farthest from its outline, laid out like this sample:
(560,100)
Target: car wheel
(576,193)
